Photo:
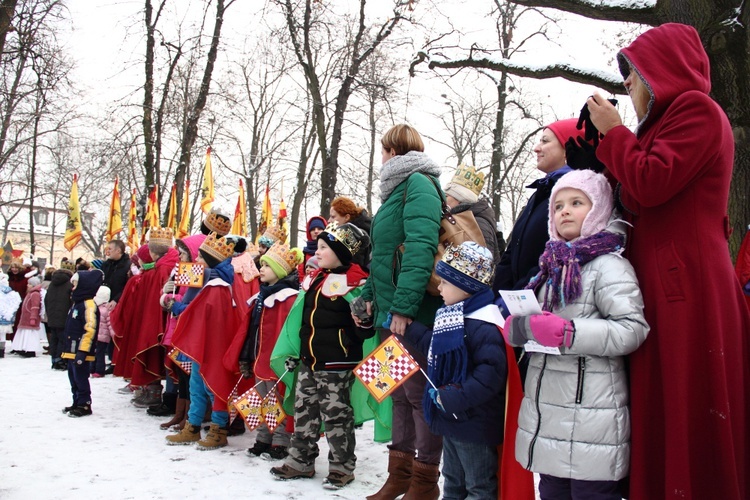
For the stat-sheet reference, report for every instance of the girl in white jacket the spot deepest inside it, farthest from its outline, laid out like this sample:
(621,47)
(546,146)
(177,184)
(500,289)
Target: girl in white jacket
(574,423)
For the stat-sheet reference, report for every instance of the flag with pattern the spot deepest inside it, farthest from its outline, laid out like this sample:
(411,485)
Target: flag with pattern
(249,406)
(389,366)
(271,411)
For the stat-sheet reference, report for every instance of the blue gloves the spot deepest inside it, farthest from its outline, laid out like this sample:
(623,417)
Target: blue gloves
(435,396)
(387,322)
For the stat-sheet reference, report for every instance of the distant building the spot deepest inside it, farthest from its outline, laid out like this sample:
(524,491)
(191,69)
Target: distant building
(49,232)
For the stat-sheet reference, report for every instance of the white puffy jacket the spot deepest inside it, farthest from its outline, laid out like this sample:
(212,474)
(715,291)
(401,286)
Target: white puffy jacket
(574,420)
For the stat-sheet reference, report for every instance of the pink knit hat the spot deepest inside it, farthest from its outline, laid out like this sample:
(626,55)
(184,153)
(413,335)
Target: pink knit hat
(597,189)
(565,129)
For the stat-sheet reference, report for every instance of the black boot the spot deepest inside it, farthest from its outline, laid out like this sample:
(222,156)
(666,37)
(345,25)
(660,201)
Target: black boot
(167,406)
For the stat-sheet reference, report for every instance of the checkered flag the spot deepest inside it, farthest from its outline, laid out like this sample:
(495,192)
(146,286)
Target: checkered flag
(389,366)
(189,274)
(271,411)
(181,360)
(249,406)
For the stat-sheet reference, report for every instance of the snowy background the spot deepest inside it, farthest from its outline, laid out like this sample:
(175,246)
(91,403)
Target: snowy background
(120,451)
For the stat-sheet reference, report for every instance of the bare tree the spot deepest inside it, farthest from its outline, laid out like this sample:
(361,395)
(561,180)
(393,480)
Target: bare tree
(722,25)
(307,29)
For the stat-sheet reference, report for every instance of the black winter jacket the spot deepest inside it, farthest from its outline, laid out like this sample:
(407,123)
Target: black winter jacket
(57,302)
(520,261)
(116,275)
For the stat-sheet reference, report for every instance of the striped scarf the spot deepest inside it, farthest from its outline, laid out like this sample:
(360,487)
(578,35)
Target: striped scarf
(560,266)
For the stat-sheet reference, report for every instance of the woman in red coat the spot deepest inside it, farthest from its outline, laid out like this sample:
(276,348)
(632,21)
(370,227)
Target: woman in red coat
(690,379)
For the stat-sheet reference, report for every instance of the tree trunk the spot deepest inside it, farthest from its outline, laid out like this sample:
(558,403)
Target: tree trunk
(190,133)
(7,9)
(148,101)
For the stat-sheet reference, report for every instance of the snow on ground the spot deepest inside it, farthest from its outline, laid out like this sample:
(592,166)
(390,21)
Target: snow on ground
(120,452)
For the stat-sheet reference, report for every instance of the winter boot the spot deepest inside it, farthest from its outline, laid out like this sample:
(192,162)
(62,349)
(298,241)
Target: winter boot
(216,438)
(337,480)
(275,452)
(167,407)
(181,425)
(424,482)
(399,476)
(258,449)
(188,435)
(151,395)
(71,407)
(128,389)
(286,472)
(80,411)
(236,427)
(179,414)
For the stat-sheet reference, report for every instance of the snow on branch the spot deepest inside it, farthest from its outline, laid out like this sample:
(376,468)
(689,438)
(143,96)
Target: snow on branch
(610,82)
(629,11)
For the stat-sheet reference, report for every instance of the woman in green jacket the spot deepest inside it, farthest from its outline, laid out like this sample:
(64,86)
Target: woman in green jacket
(404,241)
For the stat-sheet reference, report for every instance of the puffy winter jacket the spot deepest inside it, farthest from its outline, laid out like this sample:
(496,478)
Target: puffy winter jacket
(398,281)
(57,302)
(487,222)
(574,420)
(31,309)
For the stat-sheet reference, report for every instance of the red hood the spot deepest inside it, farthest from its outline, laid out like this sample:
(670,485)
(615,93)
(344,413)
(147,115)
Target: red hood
(169,259)
(671,61)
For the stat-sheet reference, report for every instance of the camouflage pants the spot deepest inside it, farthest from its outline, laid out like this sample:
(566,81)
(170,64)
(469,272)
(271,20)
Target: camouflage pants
(280,436)
(323,395)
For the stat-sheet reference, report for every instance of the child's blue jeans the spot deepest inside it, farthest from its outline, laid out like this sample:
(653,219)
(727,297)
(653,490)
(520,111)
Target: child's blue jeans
(469,469)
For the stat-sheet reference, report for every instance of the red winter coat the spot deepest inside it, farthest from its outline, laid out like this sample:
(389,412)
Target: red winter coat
(31,309)
(691,377)
(742,268)
(124,325)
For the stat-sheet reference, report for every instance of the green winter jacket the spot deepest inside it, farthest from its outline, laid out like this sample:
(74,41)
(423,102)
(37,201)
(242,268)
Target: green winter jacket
(398,280)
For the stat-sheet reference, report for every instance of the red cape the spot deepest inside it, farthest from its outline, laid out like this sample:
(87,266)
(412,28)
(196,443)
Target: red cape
(690,380)
(742,268)
(205,331)
(124,326)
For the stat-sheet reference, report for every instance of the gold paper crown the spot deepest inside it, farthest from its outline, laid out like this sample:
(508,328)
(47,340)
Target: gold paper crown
(469,178)
(218,223)
(472,260)
(161,236)
(275,233)
(346,235)
(287,258)
(217,247)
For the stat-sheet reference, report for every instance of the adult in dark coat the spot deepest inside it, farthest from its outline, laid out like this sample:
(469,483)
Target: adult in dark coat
(344,210)
(520,261)
(57,303)
(690,380)
(115,270)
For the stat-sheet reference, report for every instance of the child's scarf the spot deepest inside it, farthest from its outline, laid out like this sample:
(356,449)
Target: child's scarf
(560,266)
(447,358)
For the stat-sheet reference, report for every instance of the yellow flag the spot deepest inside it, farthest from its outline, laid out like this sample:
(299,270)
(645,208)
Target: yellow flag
(132,230)
(184,228)
(266,215)
(207,190)
(386,368)
(114,222)
(172,214)
(151,218)
(239,225)
(73,230)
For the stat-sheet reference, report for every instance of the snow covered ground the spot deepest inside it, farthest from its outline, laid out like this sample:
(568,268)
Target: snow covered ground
(120,452)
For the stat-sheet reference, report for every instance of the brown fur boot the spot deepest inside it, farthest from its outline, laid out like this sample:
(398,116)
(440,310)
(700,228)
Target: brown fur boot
(424,482)
(399,476)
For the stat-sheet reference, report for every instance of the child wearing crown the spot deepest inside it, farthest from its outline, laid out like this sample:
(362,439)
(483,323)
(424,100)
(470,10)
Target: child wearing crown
(322,335)
(204,333)
(467,364)
(269,309)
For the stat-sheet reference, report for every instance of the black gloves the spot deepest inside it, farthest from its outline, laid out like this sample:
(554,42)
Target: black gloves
(580,155)
(291,363)
(246,369)
(591,134)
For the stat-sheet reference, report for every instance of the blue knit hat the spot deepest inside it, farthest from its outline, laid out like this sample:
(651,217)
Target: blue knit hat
(468,266)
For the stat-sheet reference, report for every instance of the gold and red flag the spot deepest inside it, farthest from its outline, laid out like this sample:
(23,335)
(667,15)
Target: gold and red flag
(114,221)
(172,213)
(207,190)
(184,228)
(73,229)
(132,228)
(239,224)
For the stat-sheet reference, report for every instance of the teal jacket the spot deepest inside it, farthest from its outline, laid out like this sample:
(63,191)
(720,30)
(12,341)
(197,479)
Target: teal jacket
(404,241)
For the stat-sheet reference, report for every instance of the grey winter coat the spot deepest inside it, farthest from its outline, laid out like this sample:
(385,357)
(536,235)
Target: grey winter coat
(574,420)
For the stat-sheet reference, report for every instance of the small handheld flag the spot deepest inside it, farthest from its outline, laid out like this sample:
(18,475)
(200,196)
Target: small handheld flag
(389,366)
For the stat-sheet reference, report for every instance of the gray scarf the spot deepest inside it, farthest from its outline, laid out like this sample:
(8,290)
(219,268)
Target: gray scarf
(399,168)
